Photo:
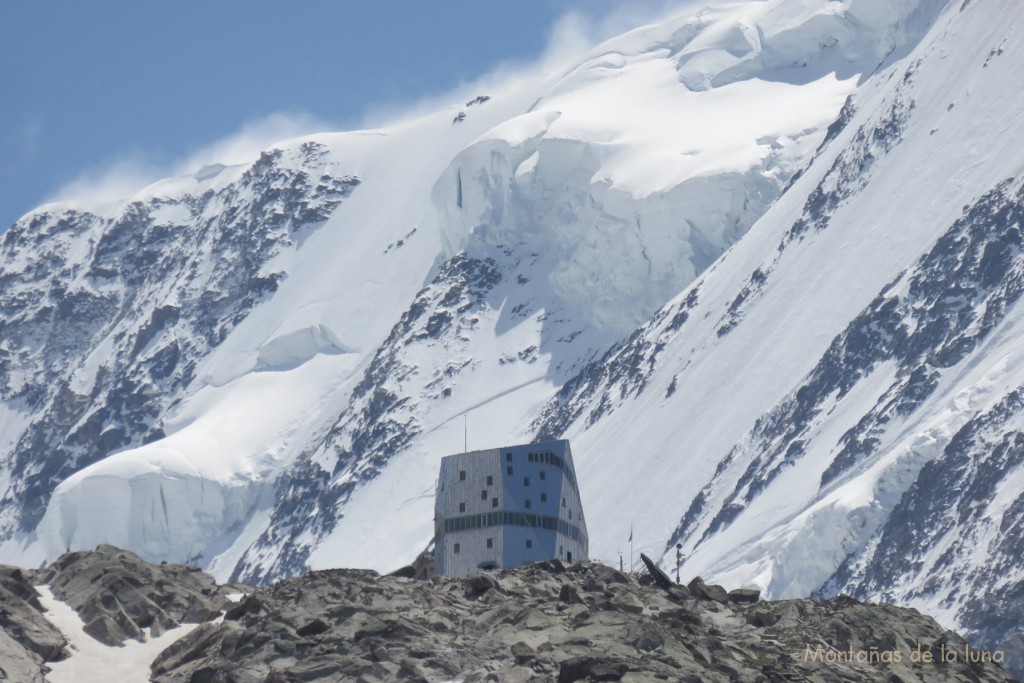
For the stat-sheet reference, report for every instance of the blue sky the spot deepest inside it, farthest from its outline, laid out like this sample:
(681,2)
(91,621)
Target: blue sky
(128,88)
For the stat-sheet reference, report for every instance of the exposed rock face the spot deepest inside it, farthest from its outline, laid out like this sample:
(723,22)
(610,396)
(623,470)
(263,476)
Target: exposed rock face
(542,622)
(27,639)
(548,622)
(105,319)
(117,594)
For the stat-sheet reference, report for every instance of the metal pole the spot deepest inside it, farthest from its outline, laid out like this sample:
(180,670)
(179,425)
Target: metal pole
(465,433)
(679,560)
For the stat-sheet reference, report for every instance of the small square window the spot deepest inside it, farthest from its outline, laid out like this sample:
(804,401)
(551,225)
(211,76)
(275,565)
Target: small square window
(509,469)
(494,502)
(490,542)
(543,475)
(462,475)
(526,481)
(456,548)
(462,507)
(527,503)
(529,543)
(483,495)
(490,480)
(543,497)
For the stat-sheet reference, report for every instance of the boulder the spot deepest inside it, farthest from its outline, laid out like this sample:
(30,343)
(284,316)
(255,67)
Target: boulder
(743,596)
(703,591)
(569,594)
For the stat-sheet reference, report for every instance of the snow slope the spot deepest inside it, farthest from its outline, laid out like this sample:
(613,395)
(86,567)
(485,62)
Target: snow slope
(531,229)
(834,405)
(93,662)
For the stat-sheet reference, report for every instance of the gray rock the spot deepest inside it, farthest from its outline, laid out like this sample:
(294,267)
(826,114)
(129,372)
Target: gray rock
(117,594)
(591,668)
(523,653)
(355,625)
(27,638)
(569,594)
(744,595)
(478,584)
(703,591)
(661,579)
(313,628)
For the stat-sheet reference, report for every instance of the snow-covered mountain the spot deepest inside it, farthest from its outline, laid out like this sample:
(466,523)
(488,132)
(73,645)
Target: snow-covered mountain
(760,264)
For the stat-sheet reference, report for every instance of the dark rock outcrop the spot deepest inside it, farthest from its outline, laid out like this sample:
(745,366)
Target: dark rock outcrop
(27,639)
(117,594)
(549,622)
(542,622)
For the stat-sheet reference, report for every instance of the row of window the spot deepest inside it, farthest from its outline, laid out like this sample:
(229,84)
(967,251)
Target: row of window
(526,480)
(462,477)
(494,503)
(542,474)
(512,519)
(457,547)
(549,458)
(527,503)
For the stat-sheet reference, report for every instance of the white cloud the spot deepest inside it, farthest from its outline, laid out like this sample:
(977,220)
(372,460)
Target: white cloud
(571,36)
(253,137)
(107,183)
(117,180)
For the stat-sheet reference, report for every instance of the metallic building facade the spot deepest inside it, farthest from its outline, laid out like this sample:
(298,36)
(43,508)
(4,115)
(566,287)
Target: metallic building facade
(508,506)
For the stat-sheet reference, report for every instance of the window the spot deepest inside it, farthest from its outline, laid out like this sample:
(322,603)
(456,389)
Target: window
(462,507)
(527,503)
(543,475)
(526,481)
(529,544)
(563,501)
(490,542)
(483,495)
(490,480)
(456,548)
(494,502)
(570,514)
(508,457)
(543,497)
(462,475)
(509,469)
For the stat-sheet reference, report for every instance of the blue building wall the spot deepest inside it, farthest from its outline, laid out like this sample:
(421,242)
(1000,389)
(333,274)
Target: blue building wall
(508,506)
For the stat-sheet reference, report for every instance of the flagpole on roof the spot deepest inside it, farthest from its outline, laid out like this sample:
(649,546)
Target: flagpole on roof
(630,546)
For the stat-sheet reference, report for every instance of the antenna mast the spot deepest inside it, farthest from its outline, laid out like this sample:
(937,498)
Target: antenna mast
(465,434)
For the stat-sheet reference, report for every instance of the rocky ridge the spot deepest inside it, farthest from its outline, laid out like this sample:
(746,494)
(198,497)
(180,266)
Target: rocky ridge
(541,622)
(27,639)
(118,596)
(550,622)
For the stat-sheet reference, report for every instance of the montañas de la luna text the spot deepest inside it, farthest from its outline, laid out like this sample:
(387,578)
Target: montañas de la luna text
(874,655)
